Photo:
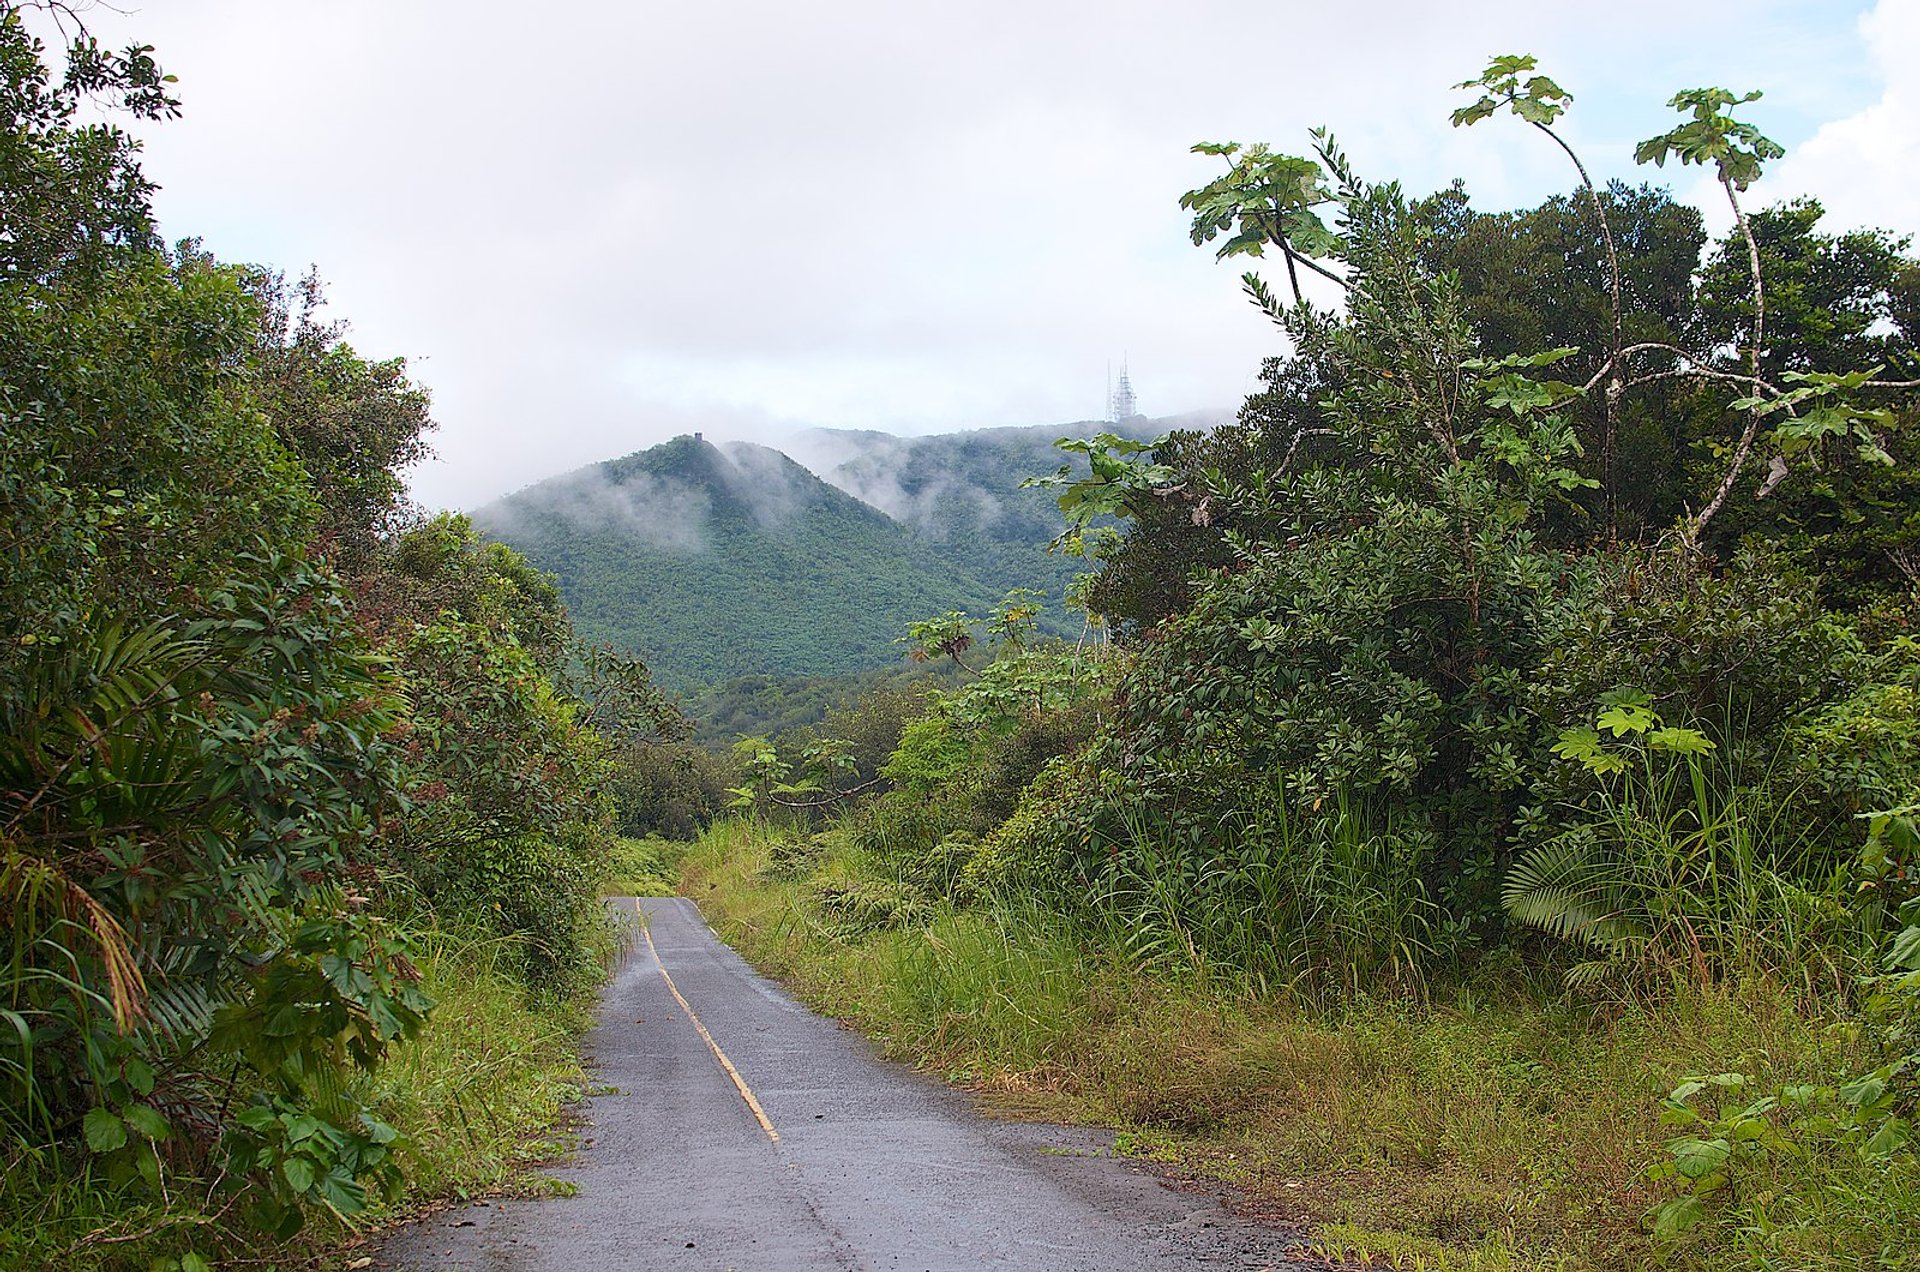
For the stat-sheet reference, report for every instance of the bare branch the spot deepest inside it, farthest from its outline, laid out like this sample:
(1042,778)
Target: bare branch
(1745,446)
(1609,438)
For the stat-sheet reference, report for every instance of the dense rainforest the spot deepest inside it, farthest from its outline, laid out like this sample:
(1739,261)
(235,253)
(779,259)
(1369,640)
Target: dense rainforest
(1483,823)
(1469,801)
(721,562)
(304,802)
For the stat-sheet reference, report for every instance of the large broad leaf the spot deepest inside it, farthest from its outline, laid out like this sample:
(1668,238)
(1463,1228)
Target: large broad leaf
(147,1121)
(299,1172)
(1888,1140)
(1626,717)
(1680,741)
(1698,1158)
(1677,1216)
(105,1132)
(1905,954)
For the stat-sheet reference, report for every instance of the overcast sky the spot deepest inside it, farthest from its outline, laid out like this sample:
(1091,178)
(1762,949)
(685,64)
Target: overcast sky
(595,225)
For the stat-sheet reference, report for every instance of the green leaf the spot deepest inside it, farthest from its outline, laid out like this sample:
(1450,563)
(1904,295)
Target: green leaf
(338,1190)
(1680,741)
(1888,1140)
(1625,718)
(299,1173)
(1905,952)
(1863,1090)
(104,1131)
(139,1075)
(1677,1217)
(1697,1158)
(147,1121)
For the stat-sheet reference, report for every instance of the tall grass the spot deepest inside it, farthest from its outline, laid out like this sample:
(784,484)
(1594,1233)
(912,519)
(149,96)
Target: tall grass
(1680,870)
(1328,904)
(1487,1123)
(480,1090)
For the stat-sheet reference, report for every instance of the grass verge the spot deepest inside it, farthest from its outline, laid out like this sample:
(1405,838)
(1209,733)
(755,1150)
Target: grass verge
(1498,1126)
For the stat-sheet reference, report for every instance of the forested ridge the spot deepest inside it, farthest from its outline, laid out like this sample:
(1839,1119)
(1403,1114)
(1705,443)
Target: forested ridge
(721,561)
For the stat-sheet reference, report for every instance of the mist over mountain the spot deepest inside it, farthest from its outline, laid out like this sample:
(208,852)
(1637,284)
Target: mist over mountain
(964,485)
(715,561)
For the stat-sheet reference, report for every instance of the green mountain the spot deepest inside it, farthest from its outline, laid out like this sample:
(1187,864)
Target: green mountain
(718,562)
(962,491)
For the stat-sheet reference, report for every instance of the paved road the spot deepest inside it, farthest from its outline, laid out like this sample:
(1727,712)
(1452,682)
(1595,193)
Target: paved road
(747,1133)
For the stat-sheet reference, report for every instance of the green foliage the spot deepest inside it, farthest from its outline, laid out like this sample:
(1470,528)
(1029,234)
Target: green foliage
(1453,669)
(354,425)
(932,752)
(671,789)
(227,773)
(1537,99)
(643,867)
(1264,200)
(1735,1152)
(1742,650)
(73,198)
(183,819)
(1862,752)
(1678,869)
(1736,149)
(1325,903)
(782,706)
(1122,481)
(872,905)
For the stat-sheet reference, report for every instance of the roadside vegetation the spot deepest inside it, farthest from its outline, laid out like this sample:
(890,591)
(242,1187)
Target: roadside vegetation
(305,797)
(1478,812)
(1479,816)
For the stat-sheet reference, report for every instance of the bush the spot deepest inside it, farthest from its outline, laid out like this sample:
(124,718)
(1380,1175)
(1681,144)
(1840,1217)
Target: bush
(1010,761)
(646,867)
(1738,653)
(1862,752)
(674,789)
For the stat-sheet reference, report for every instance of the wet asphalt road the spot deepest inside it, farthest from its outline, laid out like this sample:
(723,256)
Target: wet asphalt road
(860,1165)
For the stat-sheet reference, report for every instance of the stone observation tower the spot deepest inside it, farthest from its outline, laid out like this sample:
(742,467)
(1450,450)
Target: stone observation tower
(1121,404)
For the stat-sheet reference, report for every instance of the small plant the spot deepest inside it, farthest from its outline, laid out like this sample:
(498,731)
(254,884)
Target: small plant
(1673,866)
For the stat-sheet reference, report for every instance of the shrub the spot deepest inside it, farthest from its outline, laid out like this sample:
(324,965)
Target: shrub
(674,789)
(1862,752)
(1738,653)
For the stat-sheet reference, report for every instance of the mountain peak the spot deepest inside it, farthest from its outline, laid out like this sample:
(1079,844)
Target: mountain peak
(716,561)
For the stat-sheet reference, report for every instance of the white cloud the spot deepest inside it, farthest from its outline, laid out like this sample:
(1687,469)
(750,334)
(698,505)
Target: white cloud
(601,227)
(1866,167)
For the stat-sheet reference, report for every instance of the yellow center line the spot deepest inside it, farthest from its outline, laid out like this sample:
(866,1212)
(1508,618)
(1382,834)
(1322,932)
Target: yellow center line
(740,1083)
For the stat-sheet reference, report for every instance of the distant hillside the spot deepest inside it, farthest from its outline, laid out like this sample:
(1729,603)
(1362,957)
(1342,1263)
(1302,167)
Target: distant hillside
(725,563)
(717,562)
(962,490)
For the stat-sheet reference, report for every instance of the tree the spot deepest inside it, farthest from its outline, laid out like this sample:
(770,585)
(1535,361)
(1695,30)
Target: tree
(355,425)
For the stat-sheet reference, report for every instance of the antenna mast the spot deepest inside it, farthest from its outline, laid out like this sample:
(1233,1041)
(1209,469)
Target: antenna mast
(1121,404)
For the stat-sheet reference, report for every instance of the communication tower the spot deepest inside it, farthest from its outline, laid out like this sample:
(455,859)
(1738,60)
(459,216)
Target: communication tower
(1121,404)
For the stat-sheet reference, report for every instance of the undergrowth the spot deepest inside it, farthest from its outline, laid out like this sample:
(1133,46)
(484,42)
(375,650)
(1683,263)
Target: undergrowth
(643,867)
(479,1095)
(1497,1122)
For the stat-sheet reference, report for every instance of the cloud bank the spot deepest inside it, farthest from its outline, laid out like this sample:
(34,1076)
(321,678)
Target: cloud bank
(599,226)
